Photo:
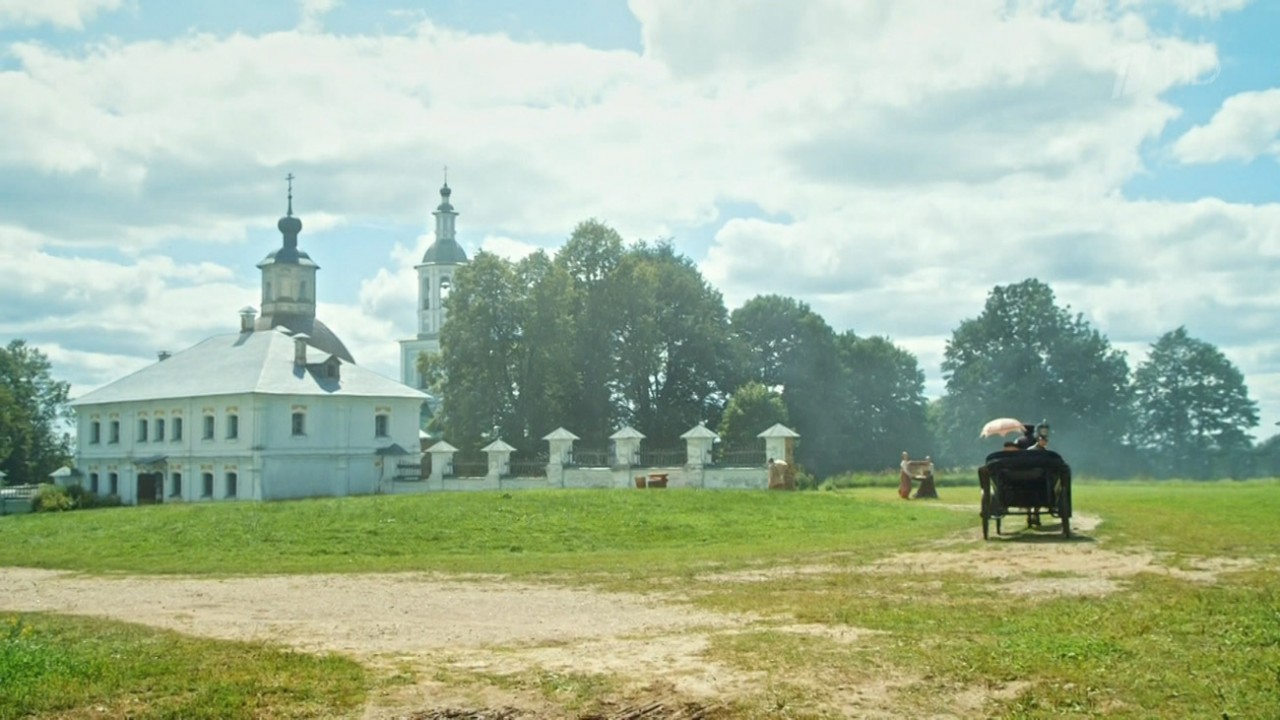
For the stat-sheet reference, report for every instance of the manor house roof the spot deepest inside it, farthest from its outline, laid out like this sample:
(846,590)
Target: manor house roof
(260,361)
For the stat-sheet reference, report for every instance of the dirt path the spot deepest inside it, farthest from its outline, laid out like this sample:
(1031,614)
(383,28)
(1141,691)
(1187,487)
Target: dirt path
(494,626)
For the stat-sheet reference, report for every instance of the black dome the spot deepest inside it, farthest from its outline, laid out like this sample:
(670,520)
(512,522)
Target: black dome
(289,225)
(445,252)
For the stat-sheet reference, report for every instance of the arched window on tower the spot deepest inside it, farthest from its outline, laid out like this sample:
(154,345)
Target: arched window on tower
(444,288)
(266,290)
(302,290)
(426,294)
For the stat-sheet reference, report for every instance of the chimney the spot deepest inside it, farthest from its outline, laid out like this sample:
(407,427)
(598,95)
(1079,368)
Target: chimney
(300,349)
(246,318)
(164,355)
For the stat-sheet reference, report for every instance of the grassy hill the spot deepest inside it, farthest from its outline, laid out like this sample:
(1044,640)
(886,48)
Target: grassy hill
(1161,639)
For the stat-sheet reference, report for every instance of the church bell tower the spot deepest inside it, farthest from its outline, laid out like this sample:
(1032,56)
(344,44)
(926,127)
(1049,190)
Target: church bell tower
(435,275)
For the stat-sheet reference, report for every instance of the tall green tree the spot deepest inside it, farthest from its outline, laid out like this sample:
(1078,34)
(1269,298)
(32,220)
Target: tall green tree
(883,402)
(545,374)
(479,348)
(1193,409)
(672,326)
(33,406)
(504,353)
(782,342)
(430,366)
(1026,357)
(1266,457)
(752,409)
(590,257)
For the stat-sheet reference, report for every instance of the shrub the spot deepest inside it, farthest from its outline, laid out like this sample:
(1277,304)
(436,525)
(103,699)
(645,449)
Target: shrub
(805,479)
(111,500)
(52,498)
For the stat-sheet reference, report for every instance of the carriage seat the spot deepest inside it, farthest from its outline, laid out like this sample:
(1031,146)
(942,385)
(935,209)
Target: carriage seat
(1025,478)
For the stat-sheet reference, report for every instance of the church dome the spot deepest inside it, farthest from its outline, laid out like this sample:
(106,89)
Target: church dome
(445,252)
(318,334)
(289,225)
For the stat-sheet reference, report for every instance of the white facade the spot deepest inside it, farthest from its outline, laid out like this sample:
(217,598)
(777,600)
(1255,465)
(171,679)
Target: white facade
(266,427)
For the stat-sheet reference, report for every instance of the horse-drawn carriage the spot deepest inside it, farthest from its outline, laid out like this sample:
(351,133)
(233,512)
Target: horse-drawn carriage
(1026,483)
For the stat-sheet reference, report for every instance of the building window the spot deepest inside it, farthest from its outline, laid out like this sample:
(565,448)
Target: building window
(381,425)
(302,290)
(142,430)
(177,428)
(175,487)
(208,427)
(159,429)
(299,423)
(266,289)
(233,427)
(93,482)
(206,485)
(232,482)
(95,432)
(113,483)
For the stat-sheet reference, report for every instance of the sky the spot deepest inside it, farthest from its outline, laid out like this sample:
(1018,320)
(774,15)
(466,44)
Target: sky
(888,162)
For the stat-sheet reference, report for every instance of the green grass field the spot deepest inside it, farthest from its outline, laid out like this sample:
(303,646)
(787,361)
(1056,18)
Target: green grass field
(1158,645)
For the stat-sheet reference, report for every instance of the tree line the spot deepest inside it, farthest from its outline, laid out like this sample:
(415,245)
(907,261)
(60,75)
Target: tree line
(607,334)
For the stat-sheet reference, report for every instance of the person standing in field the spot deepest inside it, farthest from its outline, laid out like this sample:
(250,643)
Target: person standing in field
(904,477)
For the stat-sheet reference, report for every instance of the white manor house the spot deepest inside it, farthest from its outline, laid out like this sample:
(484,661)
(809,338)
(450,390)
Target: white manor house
(278,409)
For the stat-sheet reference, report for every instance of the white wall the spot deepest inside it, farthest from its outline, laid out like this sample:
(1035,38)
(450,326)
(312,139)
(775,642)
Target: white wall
(335,455)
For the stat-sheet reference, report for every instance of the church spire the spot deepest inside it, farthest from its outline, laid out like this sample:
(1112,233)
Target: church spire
(289,225)
(445,214)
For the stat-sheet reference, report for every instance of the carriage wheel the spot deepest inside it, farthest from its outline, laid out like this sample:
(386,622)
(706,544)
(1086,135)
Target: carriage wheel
(986,516)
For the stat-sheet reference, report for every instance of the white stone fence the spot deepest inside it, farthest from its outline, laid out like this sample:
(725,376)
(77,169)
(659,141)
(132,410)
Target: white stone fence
(625,469)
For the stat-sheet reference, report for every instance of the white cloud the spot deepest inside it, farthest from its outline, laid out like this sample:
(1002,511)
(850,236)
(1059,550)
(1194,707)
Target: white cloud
(313,12)
(510,248)
(1210,8)
(392,294)
(904,156)
(1247,126)
(71,14)
(1203,9)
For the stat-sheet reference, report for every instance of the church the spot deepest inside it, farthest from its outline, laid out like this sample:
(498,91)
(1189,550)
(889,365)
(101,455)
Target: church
(278,409)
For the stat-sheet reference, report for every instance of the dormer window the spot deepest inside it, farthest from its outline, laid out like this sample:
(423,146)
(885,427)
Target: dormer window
(332,368)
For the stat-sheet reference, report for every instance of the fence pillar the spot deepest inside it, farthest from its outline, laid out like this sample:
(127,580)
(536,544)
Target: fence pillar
(561,442)
(779,444)
(499,458)
(560,454)
(698,443)
(626,446)
(441,460)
